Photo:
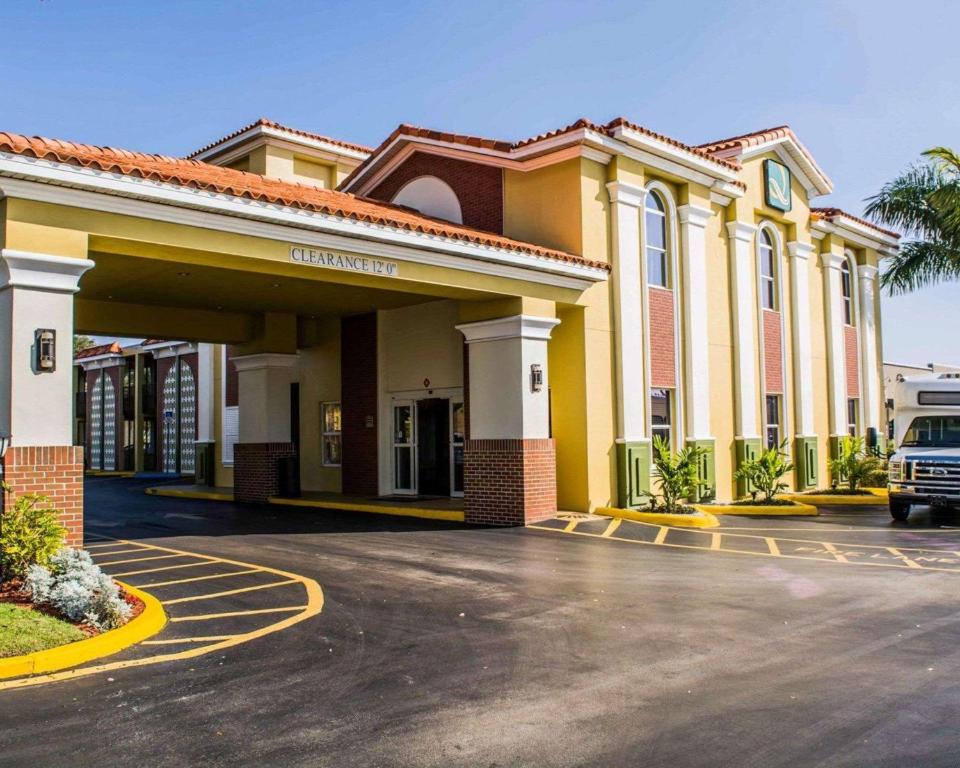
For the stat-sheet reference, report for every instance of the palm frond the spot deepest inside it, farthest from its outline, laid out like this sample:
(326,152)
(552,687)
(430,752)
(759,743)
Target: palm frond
(920,263)
(904,203)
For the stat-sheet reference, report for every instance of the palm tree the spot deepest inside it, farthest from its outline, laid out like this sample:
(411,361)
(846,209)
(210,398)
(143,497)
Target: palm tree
(923,203)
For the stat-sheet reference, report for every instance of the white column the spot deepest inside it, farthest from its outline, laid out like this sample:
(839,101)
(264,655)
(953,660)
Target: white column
(36,292)
(800,312)
(206,404)
(868,345)
(836,356)
(696,336)
(626,203)
(504,355)
(264,388)
(741,237)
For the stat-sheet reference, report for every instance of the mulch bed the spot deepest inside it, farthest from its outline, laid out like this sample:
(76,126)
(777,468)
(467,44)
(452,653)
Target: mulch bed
(762,503)
(10,593)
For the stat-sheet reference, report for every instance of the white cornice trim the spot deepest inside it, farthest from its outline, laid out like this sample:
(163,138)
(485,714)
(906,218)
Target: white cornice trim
(739,230)
(867,272)
(694,215)
(41,271)
(515,327)
(626,194)
(116,193)
(798,250)
(264,360)
(814,180)
(291,137)
(684,157)
(831,260)
(856,233)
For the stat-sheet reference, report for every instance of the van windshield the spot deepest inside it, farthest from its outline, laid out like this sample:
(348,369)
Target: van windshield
(934,432)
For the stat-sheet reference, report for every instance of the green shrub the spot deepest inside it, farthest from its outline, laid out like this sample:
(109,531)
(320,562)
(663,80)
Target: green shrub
(677,475)
(854,465)
(30,534)
(765,473)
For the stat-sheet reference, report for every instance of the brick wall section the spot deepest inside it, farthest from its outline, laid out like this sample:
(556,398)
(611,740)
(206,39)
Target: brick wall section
(255,474)
(478,187)
(509,482)
(55,472)
(851,348)
(663,344)
(358,402)
(772,353)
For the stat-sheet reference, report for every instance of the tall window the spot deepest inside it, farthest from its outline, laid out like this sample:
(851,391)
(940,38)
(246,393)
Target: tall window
(768,271)
(661,415)
(846,290)
(330,422)
(772,420)
(853,411)
(655,229)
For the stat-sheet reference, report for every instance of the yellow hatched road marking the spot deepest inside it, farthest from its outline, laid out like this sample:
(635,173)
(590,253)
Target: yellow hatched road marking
(835,552)
(571,525)
(772,545)
(897,553)
(661,535)
(116,544)
(228,614)
(612,527)
(192,598)
(136,560)
(175,640)
(198,578)
(166,568)
(118,552)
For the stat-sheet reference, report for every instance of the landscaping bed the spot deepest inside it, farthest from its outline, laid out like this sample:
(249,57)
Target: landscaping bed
(695,518)
(762,507)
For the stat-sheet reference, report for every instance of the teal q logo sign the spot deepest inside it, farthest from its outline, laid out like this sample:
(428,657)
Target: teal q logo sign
(776,184)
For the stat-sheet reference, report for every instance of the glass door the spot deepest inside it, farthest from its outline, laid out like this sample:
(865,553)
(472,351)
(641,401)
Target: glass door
(457,441)
(403,442)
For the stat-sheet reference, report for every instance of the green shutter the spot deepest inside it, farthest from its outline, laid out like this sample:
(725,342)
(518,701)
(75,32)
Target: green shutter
(633,473)
(746,448)
(807,462)
(707,472)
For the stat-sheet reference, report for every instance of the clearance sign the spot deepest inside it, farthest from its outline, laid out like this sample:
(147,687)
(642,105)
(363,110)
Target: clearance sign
(343,261)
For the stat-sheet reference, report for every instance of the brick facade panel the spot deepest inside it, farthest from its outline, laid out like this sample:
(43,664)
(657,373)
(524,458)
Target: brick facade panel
(358,403)
(509,482)
(772,353)
(256,474)
(55,472)
(663,344)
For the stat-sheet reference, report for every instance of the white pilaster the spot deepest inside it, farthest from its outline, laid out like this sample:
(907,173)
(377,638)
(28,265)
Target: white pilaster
(504,404)
(695,337)
(206,405)
(836,356)
(264,389)
(800,312)
(868,344)
(36,292)
(626,204)
(742,255)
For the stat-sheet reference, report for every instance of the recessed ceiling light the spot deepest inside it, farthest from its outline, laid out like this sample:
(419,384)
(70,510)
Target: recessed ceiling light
(183,274)
(276,285)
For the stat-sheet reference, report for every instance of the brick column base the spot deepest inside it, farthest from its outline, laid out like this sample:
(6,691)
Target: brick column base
(509,482)
(256,476)
(55,472)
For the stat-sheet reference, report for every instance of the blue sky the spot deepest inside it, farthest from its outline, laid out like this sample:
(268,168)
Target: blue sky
(866,85)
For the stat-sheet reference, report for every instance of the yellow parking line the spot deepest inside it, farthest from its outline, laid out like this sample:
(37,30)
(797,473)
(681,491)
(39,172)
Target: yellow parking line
(191,598)
(611,527)
(175,640)
(897,553)
(571,525)
(714,541)
(166,568)
(227,614)
(772,546)
(197,578)
(834,551)
(117,552)
(136,560)
(661,535)
(115,544)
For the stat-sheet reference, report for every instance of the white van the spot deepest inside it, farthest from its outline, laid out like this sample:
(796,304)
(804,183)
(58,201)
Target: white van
(925,469)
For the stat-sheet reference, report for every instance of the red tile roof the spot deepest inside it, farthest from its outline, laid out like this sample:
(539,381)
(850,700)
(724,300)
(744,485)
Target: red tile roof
(404,129)
(195,174)
(745,140)
(113,348)
(267,123)
(832,213)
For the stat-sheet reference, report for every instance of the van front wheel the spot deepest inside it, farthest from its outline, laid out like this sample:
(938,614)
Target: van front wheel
(899,510)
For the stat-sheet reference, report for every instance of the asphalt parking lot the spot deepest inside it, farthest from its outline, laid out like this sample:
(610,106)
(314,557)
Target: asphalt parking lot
(440,645)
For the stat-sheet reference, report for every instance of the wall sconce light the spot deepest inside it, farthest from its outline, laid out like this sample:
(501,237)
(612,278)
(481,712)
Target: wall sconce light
(45,349)
(536,377)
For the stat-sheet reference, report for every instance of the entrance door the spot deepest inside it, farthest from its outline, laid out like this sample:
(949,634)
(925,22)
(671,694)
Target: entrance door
(433,446)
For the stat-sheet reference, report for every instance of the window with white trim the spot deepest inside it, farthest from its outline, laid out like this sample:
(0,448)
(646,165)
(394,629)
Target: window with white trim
(846,290)
(853,417)
(661,415)
(772,420)
(768,271)
(331,434)
(655,236)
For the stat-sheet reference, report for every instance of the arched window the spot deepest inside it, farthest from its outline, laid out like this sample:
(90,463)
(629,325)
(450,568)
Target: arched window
(655,231)
(768,271)
(846,290)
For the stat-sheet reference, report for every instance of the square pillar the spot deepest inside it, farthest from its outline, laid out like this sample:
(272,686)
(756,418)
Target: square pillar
(264,398)
(509,460)
(36,402)
(805,450)
(836,351)
(870,372)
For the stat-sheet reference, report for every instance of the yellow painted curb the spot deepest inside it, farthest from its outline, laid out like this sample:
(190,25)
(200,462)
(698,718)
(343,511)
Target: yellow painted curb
(760,510)
(148,623)
(451,515)
(108,473)
(838,500)
(702,520)
(179,493)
